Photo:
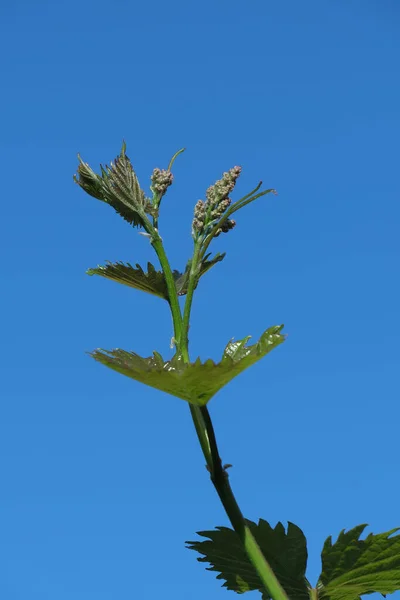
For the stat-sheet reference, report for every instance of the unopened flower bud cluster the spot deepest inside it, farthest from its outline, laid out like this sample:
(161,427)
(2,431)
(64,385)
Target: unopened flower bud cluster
(161,179)
(208,212)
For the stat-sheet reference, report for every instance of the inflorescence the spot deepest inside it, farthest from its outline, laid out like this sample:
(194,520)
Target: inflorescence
(207,213)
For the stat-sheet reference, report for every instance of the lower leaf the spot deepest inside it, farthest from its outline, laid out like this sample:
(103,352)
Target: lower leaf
(285,551)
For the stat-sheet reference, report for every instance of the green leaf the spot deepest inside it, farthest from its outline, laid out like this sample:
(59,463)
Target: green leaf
(118,186)
(195,382)
(352,567)
(286,552)
(171,162)
(181,282)
(152,282)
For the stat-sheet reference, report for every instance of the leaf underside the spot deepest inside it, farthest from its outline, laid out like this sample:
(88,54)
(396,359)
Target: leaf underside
(352,567)
(195,382)
(286,552)
(152,281)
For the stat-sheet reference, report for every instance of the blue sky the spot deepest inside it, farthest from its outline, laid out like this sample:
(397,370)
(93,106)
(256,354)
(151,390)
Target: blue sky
(102,479)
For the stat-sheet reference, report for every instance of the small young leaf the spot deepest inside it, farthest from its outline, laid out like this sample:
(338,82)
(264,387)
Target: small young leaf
(152,282)
(286,552)
(352,567)
(118,186)
(181,282)
(195,382)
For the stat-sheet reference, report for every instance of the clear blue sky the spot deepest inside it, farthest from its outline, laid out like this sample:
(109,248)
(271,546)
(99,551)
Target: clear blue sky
(102,479)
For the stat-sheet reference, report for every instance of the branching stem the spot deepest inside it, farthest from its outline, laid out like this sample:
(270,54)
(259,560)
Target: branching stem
(201,416)
(204,428)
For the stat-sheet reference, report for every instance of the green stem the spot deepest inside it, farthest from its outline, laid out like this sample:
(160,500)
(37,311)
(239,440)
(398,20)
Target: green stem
(173,301)
(156,203)
(194,268)
(313,592)
(202,435)
(196,412)
(219,477)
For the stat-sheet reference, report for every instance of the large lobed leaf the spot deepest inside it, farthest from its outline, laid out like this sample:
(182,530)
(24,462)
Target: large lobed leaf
(352,567)
(286,552)
(195,382)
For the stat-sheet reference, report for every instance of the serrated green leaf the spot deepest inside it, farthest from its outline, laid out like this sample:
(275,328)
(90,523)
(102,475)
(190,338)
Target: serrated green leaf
(195,382)
(152,282)
(181,282)
(286,553)
(352,567)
